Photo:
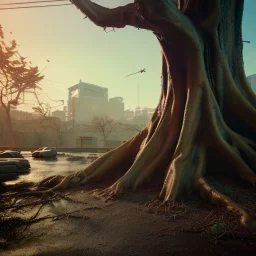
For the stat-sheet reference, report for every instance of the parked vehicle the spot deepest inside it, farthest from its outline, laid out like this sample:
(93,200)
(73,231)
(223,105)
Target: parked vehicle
(92,157)
(45,152)
(11,168)
(75,158)
(10,154)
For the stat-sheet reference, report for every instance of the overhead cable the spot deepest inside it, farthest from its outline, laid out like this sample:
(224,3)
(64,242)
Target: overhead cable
(35,6)
(35,2)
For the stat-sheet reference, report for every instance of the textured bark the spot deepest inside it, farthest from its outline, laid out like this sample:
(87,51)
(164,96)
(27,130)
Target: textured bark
(205,103)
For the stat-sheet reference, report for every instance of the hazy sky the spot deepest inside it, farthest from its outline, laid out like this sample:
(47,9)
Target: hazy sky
(77,49)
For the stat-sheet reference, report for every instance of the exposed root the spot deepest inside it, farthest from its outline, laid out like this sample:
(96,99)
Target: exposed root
(23,200)
(220,133)
(13,226)
(217,198)
(171,210)
(103,165)
(218,225)
(67,215)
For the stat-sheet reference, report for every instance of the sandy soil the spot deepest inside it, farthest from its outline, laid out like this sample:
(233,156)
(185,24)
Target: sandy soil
(122,227)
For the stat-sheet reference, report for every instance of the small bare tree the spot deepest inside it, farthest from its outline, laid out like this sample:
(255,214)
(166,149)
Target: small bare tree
(102,125)
(129,127)
(39,136)
(51,124)
(48,122)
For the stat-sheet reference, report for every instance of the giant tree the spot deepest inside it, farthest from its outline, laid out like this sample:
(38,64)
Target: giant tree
(17,77)
(205,104)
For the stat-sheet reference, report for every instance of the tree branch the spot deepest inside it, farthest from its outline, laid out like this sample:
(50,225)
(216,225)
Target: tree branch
(1,99)
(117,17)
(171,23)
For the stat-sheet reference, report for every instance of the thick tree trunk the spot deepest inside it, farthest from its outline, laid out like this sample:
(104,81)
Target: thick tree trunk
(205,103)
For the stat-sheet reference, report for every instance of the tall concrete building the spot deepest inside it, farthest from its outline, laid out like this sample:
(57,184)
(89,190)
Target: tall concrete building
(252,81)
(86,101)
(116,108)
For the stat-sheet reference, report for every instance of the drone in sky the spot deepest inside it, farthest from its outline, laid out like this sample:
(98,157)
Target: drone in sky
(141,71)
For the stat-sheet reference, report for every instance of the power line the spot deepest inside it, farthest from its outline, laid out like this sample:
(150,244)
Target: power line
(36,6)
(54,100)
(36,2)
(55,82)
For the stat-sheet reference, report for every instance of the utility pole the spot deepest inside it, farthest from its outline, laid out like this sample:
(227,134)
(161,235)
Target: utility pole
(138,86)
(138,95)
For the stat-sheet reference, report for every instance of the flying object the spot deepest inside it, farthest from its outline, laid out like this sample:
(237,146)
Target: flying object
(141,71)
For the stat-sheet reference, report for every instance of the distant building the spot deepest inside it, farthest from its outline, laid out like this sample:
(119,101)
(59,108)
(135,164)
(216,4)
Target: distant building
(17,114)
(252,81)
(151,111)
(86,101)
(59,114)
(143,115)
(65,112)
(129,114)
(36,115)
(116,108)
(21,115)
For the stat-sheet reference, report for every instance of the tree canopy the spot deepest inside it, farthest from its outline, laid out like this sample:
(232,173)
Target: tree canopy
(17,76)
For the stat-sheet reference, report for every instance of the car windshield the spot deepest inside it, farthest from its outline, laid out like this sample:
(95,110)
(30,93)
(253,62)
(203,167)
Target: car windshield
(44,148)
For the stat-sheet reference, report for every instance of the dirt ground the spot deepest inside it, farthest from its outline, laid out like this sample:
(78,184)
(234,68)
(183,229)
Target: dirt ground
(124,227)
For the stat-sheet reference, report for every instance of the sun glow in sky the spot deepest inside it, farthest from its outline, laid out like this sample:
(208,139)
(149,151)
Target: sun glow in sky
(77,49)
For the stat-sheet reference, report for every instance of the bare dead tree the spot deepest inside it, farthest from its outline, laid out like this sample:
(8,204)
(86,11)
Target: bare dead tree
(123,126)
(47,122)
(103,125)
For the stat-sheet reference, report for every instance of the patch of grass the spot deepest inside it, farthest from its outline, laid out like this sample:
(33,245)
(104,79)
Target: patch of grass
(218,228)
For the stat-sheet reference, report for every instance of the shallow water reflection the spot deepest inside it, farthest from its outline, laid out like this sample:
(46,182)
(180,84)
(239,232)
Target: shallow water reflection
(43,168)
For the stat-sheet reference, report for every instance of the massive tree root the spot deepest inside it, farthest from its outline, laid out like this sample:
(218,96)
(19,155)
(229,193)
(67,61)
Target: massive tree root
(205,104)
